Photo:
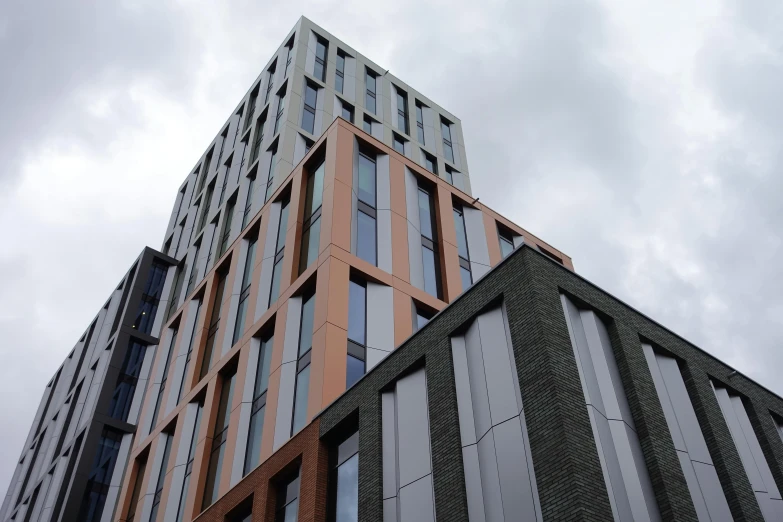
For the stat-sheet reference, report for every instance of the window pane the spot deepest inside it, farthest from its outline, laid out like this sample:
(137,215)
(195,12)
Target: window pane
(340,63)
(366,238)
(467,278)
(462,240)
(354,371)
(300,402)
(274,292)
(370,83)
(399,146)
(367,180)
(338,83)
(320,50)
(213,477)
(311,95)
(430,272)
(262,370)
(357,306)
(253,453)
(240,322)
(367,126)
(347,114)
(420,320)
(308,120)
(315,189)
(449,176)
(370,102)
(448,152)
(282,227)
(310,242)
(348,490)
(306,325)
(318,70)
(425,214)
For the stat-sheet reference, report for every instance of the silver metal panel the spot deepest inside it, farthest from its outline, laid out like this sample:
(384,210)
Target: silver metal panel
(638,485)
(384,245)
(380,317)
(477,236)
(238,466)
(610,466)
(683,409)
(413,430)
(755,448)
(478,381)
(467,428)
(389,444)
(470,463)
(383,182)
(740,441)
(412,199)
(584,362)
(770,508)
(285,404)
(175,490)
(374,356)
(497,366)
(663,397)
(693,487)
(513,472)
(712,491)
(292,320)
(390,510)
(416,501)
(490,479)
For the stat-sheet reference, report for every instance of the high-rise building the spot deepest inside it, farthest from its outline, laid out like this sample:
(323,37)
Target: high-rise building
(325,339)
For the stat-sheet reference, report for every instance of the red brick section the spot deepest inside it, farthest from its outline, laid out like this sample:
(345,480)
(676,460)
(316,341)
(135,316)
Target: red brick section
(305,448)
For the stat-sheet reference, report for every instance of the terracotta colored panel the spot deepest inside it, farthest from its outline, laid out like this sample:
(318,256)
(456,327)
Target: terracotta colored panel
(403,317)
(397,182)
(337,308)
(344,156)
(493,243)
(400,260)
(341,216)
(451,279)
(334,364)
(330,158)
(270,414)
(317,377)
(445,215)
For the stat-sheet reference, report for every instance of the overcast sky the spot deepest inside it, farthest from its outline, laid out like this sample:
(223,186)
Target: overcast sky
(642,139)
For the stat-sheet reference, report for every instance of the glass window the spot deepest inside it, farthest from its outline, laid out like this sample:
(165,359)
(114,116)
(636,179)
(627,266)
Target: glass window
(189,466)
(422,318)
(164,377)
(420,122)
(399,144)
(445,129)
(306,325)
(367,179)
(347,112)
(355,370)
(288,500)
(189,354)
(506,242)
(214,325)
(99,479)
(248,201)
(357,312)
(270,81)
(402,110)
(212,486)
(303,363)
(339,73)
(280,251)
(346,503)
(369,98)
(256,429)
(161,477)
(449,175)
(251,108)
(425,214)
(367,125)
(366,240)
(141,468)
(300,400)
(430,271)
(430,163)
(150,297)
(311,234)
(270,176)
(280,109)
(121,399)
(247,277)
(288,48)
(308,114)
(319,70)
(462,240)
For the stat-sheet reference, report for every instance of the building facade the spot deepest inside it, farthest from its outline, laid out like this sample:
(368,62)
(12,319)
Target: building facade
(329,219)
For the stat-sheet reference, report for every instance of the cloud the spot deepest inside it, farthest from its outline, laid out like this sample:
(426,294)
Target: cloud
(641,139)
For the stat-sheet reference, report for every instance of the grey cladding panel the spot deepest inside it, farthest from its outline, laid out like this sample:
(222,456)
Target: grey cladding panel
(412,428)
(416,501)
(498,367)
(285,404)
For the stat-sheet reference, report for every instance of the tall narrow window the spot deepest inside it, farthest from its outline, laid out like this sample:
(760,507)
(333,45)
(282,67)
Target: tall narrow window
(399,143)
(402,110)
(247,277)
(506,240)
(420,121)
(183,494)
(219,441)
(450,175)
(251,107)
(270,73)
(345,475)
(126,381)
(289,47)
(36,449)
(99,478)
(238,128)
(370,79)
(207,201)
(367,124)
(225,176)
(212,239)
(161,477)
(280,109)
(270,177)
(164,377)
(311,229)
(430,163)
(366,215)
(279,252)
(321,50)
(429,244)
(339,72)
(421,317)
(357,332)
(176,288)
(302,387)
(202,175)
(248,200)
(141,468)
(258,138)
(224,238)
(288,500)
(253,452)
(214,325)
(223,138)
(462,249)
(445,129)
(310,100)
(189,354)
(347,113)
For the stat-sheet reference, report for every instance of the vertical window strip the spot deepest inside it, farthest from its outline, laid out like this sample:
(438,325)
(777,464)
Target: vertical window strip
(367,234)
(212,485)
(420,122)
(339,73)
(189,354)
(311,228)
(302,387)
(164,378)
(462,248)
(357,332)
(226,227)
(189,466)
(214,325)
(279,253)
(256,425)
(429,244)
(369,98)
(161,477)
(247,277)
(248,201)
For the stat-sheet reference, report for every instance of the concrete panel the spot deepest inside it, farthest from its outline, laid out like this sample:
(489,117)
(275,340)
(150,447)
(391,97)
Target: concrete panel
(291,339)
(285,404)
(513,472)
(416,501)
(413,433)
(712,491)
(470,463)
(380,317)
(383,182)
(490,479)
(374,356)
(412,199)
